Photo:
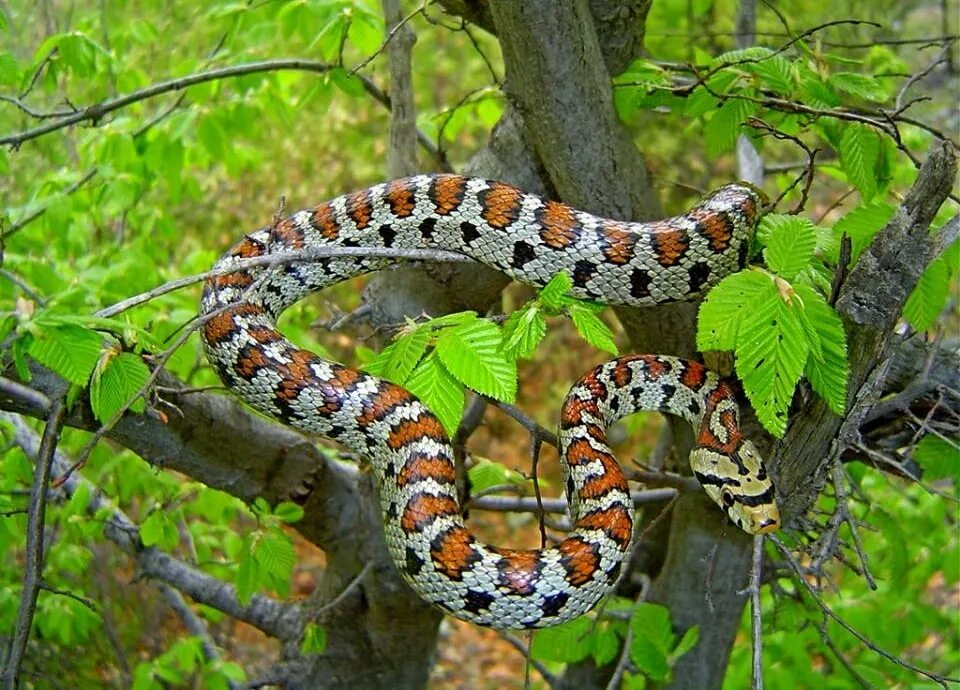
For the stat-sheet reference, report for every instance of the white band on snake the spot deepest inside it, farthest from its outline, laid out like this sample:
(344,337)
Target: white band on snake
(530,239)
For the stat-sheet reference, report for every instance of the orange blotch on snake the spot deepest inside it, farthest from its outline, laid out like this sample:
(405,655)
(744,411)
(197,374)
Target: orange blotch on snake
(453,552)
(580,559)
(423,509)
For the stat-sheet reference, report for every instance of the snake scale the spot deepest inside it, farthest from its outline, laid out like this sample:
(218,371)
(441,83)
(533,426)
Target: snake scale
(531,239)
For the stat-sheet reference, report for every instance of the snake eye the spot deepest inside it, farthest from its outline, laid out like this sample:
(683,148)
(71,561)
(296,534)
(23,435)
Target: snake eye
(727,497)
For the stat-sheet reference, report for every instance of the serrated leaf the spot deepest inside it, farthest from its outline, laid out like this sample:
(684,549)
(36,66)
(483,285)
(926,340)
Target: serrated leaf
(248,576)
(776,74)
(406,352)
(652,641)
(439,391)
(116,382)
(275,553)
(288,512)
(686,643)
(721,312)
(553,293)
(158,530)
(314,639)
(859,155)
(723,127)
(487,474)
(472,353)
(593,329)
(770,355)
(929,296)
(827,367)
(566,643)
(790,246)
(939,457)
(523,331)
(862,86)
(68,350)
(861,225)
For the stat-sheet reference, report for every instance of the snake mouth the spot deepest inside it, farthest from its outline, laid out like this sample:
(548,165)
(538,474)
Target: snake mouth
(766,526)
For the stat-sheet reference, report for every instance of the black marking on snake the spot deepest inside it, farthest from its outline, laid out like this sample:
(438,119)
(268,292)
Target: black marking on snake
(553,604)
(469,232)
(757,500)
(583,271)
(694,407)
(392,511)
(388,234)
(614,404)
(699,275)
(714,480)
(414,562)
(522,254)
(614,571)
(668,390)
(640,283)
(476,601)
(427,228)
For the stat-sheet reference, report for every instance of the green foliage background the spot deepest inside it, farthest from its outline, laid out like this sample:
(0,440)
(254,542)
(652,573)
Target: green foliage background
(156,190)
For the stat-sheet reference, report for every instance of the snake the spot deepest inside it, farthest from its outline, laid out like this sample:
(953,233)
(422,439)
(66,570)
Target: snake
(531,239)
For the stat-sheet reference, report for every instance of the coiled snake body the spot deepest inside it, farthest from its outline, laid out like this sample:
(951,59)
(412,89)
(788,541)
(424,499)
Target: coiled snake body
(531,239)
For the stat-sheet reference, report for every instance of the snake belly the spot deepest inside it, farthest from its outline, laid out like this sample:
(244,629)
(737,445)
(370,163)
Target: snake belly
(531,239)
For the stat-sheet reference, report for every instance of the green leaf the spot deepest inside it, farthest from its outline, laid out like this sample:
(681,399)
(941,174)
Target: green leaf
(68,350)
(862,86)
(566,643)
(288,512)
(314,639)
(939,457)
(248,574)
(929,296)
(723,127)
(776,74)
(827,368)
(686,643)
(861,225)
(652,639)
(117,379)
(439,391)
(159,530)
(486,474)
(770,355)
(593,329)
(472,353)
(9,71)
(553,293)
(859,155)
(790,245)
(275,553)
(406,353)
(721,312)
(523,331)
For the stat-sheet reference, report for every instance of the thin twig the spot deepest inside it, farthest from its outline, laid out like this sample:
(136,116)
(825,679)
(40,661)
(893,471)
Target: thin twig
(33,565)
(829,613)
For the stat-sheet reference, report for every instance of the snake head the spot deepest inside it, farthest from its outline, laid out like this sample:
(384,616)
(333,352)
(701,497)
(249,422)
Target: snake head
(740,484)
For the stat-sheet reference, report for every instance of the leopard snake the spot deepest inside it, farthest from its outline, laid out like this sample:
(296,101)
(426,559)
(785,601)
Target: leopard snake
(530,239)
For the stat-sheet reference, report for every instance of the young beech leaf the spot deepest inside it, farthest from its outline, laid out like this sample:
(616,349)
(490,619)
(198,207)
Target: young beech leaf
(860,225)
(720,314)
(407,352)
(554,294)
(770,355)
(827,368)
(117,381)
(523,331)
(790,246)
(472,353)
(68,350)
(593,329)
(859,155)
(929,296)
(439,391)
